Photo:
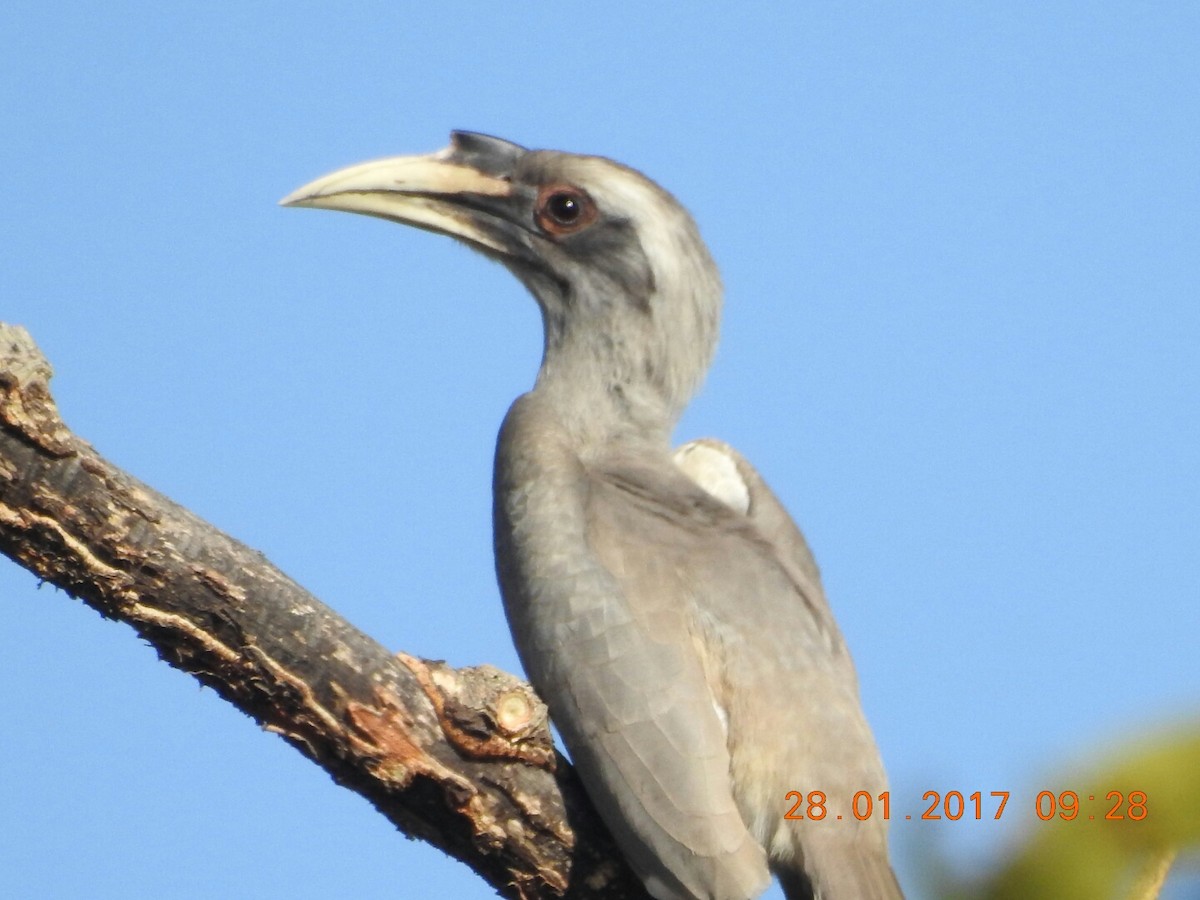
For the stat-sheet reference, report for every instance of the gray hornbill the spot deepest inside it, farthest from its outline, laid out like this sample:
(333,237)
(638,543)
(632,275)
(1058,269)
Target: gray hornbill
(664,604)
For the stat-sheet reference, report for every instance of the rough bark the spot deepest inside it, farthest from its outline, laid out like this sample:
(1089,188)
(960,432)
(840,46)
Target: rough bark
(461,758)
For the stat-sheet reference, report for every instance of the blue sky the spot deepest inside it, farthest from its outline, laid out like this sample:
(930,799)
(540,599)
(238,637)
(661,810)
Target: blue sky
(961,340)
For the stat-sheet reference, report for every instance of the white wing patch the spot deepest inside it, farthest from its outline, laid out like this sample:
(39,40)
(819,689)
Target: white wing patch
(715,472)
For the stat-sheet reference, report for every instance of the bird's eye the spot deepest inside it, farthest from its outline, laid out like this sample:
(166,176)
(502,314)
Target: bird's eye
(564,210)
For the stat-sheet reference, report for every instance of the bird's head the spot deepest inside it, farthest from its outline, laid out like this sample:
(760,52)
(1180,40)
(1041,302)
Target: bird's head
(630,296)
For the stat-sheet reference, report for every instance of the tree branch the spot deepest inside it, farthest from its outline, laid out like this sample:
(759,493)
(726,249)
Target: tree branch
(461,758)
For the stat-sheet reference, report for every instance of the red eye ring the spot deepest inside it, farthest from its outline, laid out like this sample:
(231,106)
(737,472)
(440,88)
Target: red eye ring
(564,209)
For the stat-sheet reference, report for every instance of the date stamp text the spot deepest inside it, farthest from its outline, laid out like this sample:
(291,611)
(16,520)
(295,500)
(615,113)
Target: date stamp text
(955,805)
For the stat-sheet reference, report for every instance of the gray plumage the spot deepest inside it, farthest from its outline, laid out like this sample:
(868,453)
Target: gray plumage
(664,604)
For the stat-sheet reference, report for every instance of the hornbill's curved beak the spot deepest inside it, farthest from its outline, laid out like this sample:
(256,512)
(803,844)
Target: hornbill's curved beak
(461,191)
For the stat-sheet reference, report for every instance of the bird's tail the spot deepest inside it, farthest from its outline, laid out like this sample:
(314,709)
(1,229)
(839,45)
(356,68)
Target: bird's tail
(861,876)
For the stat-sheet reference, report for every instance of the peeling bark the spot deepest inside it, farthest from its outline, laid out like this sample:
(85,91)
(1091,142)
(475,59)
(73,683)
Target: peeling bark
(460,758)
